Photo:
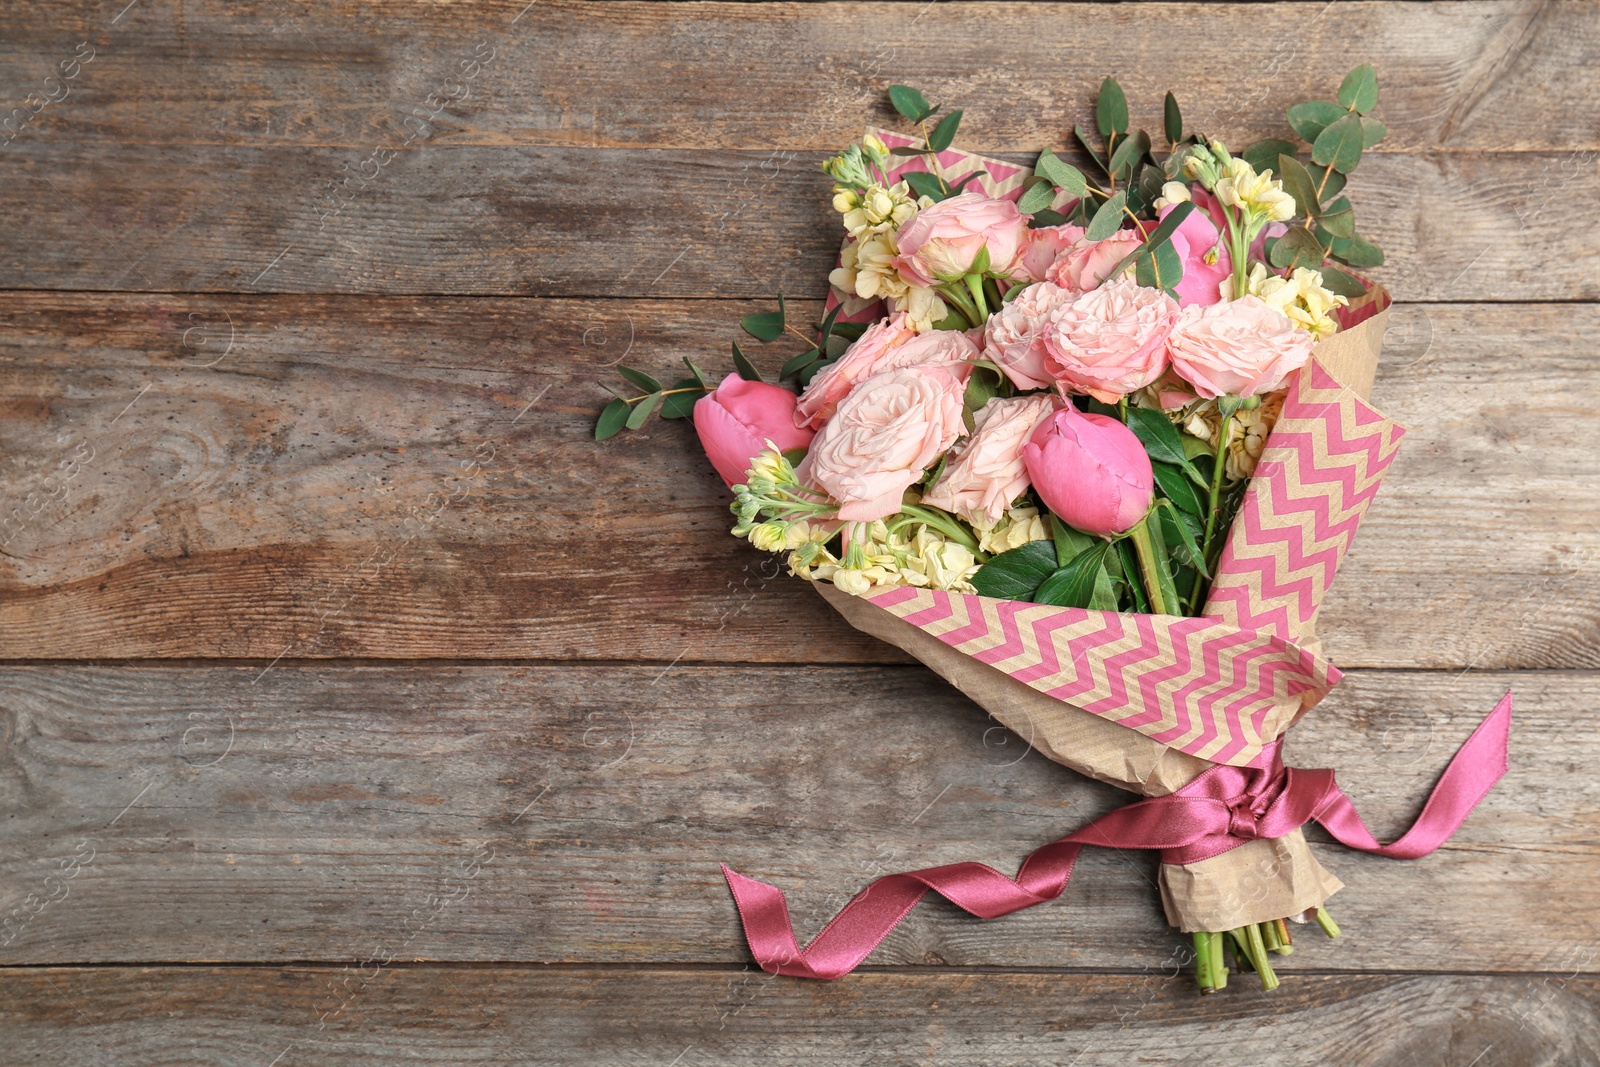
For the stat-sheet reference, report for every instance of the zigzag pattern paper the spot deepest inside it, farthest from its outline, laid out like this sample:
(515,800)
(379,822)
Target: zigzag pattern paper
(1321,467)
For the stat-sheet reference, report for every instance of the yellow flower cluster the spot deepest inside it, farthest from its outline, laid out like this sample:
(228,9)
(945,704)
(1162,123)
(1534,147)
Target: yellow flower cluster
(1300,296)
(1016,528)
(867,269)
(876,209)
(1247,434)
(888,558)
(1259,194)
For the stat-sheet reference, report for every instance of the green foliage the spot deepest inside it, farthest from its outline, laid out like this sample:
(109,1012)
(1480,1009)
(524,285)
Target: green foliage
(1016,574)
(1111,109)
(912,105)
(1172,120)
(743,366)
(768,325)
(1359,91)
(1108,218)
(944,134)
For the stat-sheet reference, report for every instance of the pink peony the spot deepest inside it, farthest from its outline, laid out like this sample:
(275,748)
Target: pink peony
(886,345)
(1014,335)
(986,474)
(1196,239)
(1090,471)
(736,419)
(944,240)
(1043,247)
(884,435)
(1088,263)
(1239,348)
(1111,340)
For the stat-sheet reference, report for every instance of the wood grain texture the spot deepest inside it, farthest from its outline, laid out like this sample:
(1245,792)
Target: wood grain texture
(1463,77)
(146,1017)
(579,814)
(565,221)
(396,478)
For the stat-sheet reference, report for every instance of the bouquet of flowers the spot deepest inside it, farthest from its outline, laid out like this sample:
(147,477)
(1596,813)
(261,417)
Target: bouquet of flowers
(1090,446)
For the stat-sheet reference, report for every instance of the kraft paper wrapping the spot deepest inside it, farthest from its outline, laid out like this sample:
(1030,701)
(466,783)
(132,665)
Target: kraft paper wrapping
(1262,583)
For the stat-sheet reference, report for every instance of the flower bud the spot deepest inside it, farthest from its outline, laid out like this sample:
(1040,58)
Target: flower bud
(769,536)
(1091,471)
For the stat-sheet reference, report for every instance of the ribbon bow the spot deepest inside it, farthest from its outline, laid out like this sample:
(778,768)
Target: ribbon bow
(1218,811)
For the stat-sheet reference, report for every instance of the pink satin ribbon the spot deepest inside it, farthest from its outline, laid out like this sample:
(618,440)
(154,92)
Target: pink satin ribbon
(1218,811)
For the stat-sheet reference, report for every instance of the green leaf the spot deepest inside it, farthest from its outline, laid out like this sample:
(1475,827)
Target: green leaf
(1040,220)
(1175,485)
(1339,145)
(1297,248)
(1159,267)
(1132,149)
(643,410)
(1358,252)
(1338,219)
(1063,175)
(1038,196)
(907,150)
(912,105)
(1185,550)
(1297,183)
(1073,586)
(1312,117)
(1130,569)
(961,183)
(1172,120)
(1263,155)
(1108,219)
(796,364)
(1105,589)
(639,378)
(743,366)
(982,386)
(1342,282)
(1160,438)
(944,133)
(611,419)
(1014,575)
(924,184)
(1372,131)
(1083,139)
(1329,181)
(1111,109)
(680,404)
(766,326)
(1359,91)
(1069,542)
(699,375)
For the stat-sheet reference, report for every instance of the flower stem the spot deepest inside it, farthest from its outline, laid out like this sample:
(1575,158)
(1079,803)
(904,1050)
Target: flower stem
(1151,570)
(1214,506)
(1325,921)
(1258,957)
(963,303)
(975,287)
(1202,962)
(940,523)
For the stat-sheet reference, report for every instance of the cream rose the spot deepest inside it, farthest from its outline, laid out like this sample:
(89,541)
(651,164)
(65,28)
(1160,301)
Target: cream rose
(1239,348)
(1111,340)
(986,474)
(890,429)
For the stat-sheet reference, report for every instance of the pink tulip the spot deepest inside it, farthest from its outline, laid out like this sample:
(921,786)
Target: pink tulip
(1091,471)
(736,420)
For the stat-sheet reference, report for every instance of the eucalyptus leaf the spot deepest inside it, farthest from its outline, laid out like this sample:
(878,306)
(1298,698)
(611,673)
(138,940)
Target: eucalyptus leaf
(1312,117)
(1339,144)
(912,105)
(1108,219)
(1372,131)
(1358,251)
(1359,91)
(1041,219)
(639,378)
(924,184)
(643,410)
(699,375)
(796,364)
(1329,181)
(1038,196)
(1342,282)
(743,366)
(1297,248)
(1263,155)
(766,326)
(1133,148)
(961,183)
(1065,176)
(680,402)
(1339,219)
(1111,109)
(1297,183)
(1016,574)
(944,133)
(1083,139)
(1159,267)
(1172,120)
(611,420)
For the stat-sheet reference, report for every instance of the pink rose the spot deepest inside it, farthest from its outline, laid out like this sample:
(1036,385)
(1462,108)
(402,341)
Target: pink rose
(1088,263)
(1239,348)
(1014,335)
(886,345)
(1090,471)
(1111,340)
(1043,247)
(943,241)
(884,435)
(736,419)
(987,474)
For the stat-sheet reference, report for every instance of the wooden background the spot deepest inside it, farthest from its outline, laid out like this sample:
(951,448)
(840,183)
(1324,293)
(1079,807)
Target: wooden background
(356,707)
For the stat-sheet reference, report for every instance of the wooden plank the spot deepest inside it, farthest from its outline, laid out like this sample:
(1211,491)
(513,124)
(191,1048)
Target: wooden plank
(1467,77)
(579,814)
(586,222)
(507,1015)
(404,478)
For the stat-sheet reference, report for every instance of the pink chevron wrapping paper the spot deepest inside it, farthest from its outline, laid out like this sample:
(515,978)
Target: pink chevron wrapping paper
(1224,685)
